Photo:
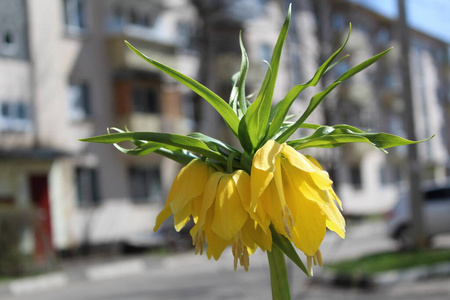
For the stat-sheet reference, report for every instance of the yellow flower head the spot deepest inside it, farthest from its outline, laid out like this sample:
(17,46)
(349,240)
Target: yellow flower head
(296,196)
(219,204)
(186,193)
(224,219)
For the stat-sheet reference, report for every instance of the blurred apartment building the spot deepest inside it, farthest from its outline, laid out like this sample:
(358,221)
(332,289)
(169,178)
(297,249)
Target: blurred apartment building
(67,74)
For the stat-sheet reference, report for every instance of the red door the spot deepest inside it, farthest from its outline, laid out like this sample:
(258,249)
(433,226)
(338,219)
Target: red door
(43,226)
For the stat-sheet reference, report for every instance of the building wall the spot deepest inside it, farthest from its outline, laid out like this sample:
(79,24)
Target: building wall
(56,57)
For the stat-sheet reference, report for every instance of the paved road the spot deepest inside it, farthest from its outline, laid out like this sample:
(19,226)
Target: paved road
(186,276)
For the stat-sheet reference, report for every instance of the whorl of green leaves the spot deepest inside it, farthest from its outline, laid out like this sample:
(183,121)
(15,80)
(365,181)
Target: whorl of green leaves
(253,123)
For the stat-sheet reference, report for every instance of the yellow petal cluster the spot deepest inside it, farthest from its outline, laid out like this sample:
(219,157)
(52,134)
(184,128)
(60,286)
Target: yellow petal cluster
(219,204)
(286,189)
(296,196)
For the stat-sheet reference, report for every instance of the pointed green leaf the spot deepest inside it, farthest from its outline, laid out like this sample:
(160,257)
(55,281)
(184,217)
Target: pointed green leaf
(253,125)
(140,150)
(318,98)
(284,105)
(362,66)
(286,246)
(176,140)
(179,156)
(218,103)
(242,76)
(330,137)
(315,101)
(212,143)
(233,101)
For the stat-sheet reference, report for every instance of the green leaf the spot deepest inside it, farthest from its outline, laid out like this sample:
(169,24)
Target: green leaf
(355,70)
(318,98)
(284,105)
(179,156)
(242,76)
(180,141)
(315,101)
(212,143)
(234,94)
(140,150)
(286,246)
(279,280)
(253,125)
(218,103)
(335,136)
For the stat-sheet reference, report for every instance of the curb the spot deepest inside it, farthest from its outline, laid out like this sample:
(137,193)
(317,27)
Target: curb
(99,272)
(38,283)
(365,281)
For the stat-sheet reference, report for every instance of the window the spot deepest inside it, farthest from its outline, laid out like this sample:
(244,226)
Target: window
(87,186)
(79,102)
(145,184)
(355,177)
(15,116)
(186,36)
(117,18)
(439,194)
(145,100)
(139,18)
(75,17)
(8,44)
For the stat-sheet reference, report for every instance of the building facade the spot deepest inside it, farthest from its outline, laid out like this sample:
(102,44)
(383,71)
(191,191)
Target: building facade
(67,74)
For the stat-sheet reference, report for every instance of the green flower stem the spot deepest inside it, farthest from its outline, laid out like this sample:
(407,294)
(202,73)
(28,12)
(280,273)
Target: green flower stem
(230,162)
(278,274)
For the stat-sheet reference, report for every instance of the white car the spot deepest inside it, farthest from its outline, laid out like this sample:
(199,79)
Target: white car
(436,214)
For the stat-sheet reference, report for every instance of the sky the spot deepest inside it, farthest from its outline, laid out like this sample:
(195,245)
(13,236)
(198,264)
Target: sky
(429,16)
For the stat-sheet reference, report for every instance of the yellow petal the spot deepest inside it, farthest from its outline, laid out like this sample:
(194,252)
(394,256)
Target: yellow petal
(253,235)
(182,217)
(298,160)
(272,207)
(162,216)
(335,220)
(304,184)
(216,244)
(190,184)
(263,166)
(209,195)
(264,158)
(229,215)
(259,182)
(309,228)
(243,182)
(335,197)
(167,210)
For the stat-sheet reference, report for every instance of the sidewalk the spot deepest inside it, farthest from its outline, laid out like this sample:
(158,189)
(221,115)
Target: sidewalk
(83,269)
(362,239)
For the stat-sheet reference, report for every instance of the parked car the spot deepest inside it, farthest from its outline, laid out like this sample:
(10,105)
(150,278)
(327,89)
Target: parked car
(436,214)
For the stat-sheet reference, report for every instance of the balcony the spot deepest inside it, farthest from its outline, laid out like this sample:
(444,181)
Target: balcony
(149,41)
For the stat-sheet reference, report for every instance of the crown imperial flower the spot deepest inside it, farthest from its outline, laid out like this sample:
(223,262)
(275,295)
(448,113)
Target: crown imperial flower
(266,195)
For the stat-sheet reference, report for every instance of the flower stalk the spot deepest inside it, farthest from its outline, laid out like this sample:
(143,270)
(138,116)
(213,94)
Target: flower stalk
(279,280)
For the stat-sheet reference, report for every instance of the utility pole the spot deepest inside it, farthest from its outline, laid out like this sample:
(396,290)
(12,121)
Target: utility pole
(413,163)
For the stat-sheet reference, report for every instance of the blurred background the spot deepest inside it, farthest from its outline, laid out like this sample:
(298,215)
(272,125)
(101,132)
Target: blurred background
(65,74)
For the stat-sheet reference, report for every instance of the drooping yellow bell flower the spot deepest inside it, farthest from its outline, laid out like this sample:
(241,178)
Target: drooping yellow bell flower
(296,195)
(224,219)
(186,194)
